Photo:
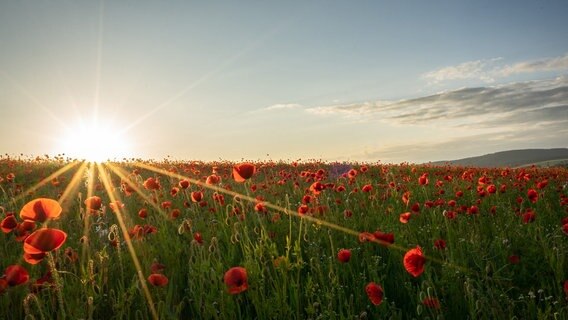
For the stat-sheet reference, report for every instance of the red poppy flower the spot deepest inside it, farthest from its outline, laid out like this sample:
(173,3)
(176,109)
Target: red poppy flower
(565,229)
(344,255)
(303,209)
(414,261)
(198,237)
(9,223)
(432,303)
(473,210)
(404,217)
(41,209)
(423,179)
(152,184)
(184,184)
(93,203)
(529,217)
(514,259)
(158,280)
(243,171)
(375,293)
(450,214)
(236,280)
(34,258)
(196,196)
(16,275)
(127,188)
(366,236)
(260,207)
(367,188)
(24,229)
(143,213)
(44,240)
(317,187)
(532,195)
(415,207)
(542,184)
(115,205)
(213,179)
(384,237)
(406,197)
(440,244)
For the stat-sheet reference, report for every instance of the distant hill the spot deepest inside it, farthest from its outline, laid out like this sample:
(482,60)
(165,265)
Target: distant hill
(514,158)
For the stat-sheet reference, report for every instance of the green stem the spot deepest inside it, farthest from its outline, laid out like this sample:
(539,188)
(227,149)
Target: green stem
(58,284)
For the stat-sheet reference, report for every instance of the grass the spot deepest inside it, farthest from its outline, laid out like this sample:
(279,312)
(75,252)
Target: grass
(291,260)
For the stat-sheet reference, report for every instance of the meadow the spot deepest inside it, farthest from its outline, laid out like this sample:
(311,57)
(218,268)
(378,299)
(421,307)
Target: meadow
(281,240)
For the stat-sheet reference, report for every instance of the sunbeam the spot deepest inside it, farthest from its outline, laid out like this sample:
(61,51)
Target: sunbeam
(119,216)
(46,180)
(118,171)
(292,213)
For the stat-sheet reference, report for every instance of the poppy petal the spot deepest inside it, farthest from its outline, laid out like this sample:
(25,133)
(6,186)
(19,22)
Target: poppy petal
(16,275)
(44,240)
(158,280)
(41,209)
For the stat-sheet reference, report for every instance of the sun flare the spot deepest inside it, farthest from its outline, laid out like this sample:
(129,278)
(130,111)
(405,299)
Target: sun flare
(95,142)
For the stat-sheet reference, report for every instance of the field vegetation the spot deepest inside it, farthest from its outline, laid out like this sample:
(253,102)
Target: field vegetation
(281,240)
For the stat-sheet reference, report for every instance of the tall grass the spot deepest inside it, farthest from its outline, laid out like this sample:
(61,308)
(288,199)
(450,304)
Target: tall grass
(291,261)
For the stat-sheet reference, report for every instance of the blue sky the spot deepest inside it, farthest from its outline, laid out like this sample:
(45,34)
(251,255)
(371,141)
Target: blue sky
(334,80)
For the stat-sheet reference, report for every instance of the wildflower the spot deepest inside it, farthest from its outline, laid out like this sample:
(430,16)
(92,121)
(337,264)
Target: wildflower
(414,261)
(344,255)
(404,217)
(16,275)
(9,223)
(93,203)
(375,293)
(44,240)
(243,172)
(158,280)
(532,195)
(152,184)
(440,244)
(236,280)
(41,209)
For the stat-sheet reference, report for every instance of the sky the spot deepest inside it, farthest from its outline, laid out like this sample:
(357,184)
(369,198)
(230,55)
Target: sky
(367,81)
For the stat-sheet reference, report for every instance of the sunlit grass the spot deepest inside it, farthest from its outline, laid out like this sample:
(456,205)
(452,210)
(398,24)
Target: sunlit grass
(291,258)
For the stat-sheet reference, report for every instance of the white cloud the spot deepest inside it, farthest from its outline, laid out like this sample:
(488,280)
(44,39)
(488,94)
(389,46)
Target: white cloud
(482,119)
(281,106)
(489,70)
(521,102)
(478,69)
(548,64)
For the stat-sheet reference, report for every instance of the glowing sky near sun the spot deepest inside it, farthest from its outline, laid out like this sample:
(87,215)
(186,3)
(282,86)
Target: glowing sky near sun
(371,80)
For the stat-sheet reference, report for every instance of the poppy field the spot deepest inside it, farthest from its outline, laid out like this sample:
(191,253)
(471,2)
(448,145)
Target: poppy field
(281,240)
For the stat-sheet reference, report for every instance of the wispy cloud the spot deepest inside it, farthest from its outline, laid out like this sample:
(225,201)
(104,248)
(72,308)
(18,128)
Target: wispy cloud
(503,104)
(489,70)
(548,64)
(479,69)
(485,119)
(281,106)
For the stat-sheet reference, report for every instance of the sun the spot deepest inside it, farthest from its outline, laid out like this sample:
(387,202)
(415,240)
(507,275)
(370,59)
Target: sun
(95,142)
